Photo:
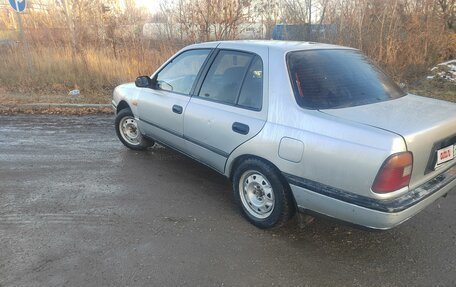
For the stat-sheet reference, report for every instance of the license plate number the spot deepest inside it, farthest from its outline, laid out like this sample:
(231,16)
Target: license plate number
(445,154)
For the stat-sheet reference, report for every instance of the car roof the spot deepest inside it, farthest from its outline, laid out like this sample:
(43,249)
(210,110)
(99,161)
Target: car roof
(284,46)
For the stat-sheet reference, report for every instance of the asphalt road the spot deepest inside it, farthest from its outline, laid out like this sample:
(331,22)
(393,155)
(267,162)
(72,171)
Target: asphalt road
(79,209)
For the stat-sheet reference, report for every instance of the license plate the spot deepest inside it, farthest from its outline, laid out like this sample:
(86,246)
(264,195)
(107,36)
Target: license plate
(445,154)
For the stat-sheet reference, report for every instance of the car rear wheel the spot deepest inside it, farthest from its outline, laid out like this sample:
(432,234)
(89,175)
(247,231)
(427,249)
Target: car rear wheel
(263,197)
(128,132)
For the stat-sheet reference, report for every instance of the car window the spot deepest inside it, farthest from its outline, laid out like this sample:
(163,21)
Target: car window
(326,79)
(225,76)
(179,75)
(251,95)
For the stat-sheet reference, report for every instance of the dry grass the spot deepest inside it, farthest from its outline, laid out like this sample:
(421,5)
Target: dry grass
(95,72)
(406,38)
(435,89)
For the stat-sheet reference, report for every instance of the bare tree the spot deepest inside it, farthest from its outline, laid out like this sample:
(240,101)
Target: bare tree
(448,12)
(267,12)
(210,19)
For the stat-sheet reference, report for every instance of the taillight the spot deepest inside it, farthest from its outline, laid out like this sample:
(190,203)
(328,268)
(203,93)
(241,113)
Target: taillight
(394,174)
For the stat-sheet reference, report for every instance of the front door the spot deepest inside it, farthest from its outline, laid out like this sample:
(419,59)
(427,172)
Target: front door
(161,109)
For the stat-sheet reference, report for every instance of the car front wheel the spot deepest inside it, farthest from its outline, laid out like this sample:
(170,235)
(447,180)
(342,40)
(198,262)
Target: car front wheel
(263,197)
(128,132)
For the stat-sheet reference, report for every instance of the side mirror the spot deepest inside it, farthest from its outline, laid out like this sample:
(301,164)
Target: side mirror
(144,82)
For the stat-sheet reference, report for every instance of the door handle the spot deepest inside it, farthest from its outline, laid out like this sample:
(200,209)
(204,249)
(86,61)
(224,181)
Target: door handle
(177,109)
(240,128)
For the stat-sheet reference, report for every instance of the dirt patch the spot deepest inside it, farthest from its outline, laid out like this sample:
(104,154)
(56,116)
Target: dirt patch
(55,110)
(13,98)
(53,103)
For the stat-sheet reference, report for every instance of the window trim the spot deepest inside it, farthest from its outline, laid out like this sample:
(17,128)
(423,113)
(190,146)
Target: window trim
(243,81)
(206,72)
(198,75)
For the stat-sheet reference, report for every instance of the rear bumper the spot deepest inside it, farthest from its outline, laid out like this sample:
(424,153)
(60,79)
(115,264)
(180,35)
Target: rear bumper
(368,212)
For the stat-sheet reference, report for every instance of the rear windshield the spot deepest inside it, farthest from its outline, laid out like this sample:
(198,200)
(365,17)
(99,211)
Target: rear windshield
(328,79)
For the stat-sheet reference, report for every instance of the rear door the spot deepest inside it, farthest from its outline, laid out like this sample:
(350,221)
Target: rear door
(229,106)
(161,109)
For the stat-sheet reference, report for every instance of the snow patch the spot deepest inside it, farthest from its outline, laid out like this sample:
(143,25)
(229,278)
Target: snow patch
(445,71)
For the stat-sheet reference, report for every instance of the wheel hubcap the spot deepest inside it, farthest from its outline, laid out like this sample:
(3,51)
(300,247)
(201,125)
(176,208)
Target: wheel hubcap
(129,130)
(256,194)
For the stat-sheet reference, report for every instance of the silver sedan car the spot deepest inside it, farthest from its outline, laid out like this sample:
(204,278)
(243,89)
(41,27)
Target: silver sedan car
(296,126)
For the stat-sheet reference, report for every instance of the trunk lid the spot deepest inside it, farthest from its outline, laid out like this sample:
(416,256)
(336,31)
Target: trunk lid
(426,125)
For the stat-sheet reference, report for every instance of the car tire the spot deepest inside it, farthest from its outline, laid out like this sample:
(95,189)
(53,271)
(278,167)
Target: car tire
(262,194)
(128,132)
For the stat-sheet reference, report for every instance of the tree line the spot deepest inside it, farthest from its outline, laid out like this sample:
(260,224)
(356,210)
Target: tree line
(406,37)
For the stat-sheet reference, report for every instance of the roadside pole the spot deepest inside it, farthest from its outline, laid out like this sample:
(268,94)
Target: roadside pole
(19,9)
(24,40)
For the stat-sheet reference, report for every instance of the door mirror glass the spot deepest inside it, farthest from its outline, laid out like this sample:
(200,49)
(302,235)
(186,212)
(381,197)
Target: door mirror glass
(143,82)
(164,86)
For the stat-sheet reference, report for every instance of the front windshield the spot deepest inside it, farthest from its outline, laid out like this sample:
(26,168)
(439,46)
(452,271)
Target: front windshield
(328,79)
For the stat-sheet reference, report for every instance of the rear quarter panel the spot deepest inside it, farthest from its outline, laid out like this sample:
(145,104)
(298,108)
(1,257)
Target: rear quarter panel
(337,154)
